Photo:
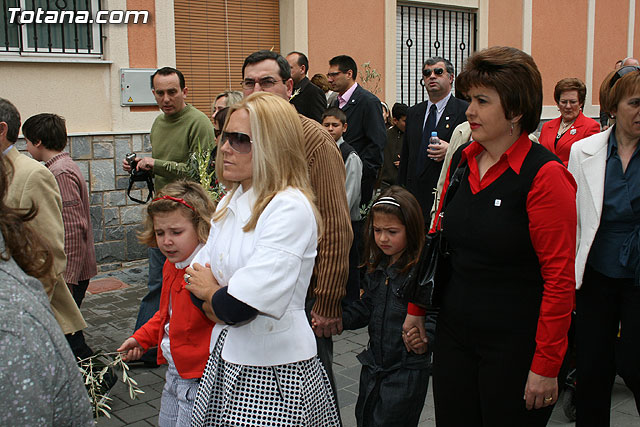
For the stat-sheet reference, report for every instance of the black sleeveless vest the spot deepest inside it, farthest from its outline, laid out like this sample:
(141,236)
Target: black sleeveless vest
(345,150)
(496,273)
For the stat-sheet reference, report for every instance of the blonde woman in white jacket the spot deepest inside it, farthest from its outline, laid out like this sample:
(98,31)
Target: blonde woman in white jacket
(253,274)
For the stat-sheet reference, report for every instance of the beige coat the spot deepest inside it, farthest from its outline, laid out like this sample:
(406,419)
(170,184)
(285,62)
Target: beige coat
(30,183)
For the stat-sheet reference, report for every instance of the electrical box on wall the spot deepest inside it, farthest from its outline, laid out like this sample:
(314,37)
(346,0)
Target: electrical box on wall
(135,86)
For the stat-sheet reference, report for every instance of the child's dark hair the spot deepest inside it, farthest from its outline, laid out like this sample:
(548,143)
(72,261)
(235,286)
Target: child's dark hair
(187,196)
(399,110)
(47,128)
(409,214)
(335,112)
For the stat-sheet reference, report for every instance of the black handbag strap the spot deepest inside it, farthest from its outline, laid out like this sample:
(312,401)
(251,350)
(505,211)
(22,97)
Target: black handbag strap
(454,183)
(150,187)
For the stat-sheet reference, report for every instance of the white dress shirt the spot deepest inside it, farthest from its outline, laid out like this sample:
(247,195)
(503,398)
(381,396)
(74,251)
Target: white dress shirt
(268,268)
(440,106)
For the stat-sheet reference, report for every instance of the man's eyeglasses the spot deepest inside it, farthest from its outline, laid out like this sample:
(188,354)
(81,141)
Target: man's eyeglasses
(621,72)
(334,74)
(437,71)
(265,83)
(238,141)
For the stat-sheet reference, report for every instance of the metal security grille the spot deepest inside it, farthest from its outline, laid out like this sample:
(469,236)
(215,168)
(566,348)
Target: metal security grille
(424,32)
(65,36)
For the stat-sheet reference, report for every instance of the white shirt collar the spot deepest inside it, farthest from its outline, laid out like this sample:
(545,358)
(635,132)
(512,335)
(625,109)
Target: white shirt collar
(440,104)
(241,203)
(184,264)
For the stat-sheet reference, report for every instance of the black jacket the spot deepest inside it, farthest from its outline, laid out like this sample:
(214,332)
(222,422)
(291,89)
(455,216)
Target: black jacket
(421,186)
(384,313)
(310,100)
(366,133)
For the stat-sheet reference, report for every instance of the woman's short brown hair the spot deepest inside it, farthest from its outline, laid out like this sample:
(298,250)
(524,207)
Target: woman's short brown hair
(568,84)
(514,75)
(321,81)
(192,194)
(618,84)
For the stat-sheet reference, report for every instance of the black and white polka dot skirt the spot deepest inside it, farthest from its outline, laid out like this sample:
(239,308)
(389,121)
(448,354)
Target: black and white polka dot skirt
(295,394)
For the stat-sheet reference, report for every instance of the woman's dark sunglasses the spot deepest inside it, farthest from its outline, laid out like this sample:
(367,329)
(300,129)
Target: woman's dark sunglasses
(437,71)
(238,141)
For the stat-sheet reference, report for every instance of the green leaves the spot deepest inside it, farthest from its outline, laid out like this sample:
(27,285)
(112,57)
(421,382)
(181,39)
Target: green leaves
(201,169)
(370,78)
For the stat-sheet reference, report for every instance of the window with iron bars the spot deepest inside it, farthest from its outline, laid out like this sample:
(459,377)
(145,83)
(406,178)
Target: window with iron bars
(65,37)
(425,32)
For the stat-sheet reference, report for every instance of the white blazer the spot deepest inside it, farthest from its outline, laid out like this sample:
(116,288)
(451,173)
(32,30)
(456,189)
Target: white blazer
(587,163)
(268,268)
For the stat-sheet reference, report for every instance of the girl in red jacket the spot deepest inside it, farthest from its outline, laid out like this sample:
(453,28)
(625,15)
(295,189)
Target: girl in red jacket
(178,223)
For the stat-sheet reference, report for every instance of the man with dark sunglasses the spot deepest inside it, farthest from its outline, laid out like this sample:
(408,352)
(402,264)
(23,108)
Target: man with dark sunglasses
(420,161)
(270,72)
(174,135)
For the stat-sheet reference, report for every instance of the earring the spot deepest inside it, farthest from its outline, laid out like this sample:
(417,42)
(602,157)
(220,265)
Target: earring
(511,130)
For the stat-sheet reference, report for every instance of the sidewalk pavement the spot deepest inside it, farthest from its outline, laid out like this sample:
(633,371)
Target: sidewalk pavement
(110,309)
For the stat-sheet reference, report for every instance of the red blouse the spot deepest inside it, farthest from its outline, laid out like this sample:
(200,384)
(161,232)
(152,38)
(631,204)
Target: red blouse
(551,207)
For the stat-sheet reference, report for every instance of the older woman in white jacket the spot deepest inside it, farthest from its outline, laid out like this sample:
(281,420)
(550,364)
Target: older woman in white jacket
(253,275)
(606,167)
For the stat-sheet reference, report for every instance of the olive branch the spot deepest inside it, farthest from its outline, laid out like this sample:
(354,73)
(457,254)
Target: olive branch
(94,370)
(201,168)
(370,78)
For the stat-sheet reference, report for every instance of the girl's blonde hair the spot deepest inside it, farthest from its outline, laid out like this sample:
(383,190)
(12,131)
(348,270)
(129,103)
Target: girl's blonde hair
(278,153)
(176,196)
(403,205)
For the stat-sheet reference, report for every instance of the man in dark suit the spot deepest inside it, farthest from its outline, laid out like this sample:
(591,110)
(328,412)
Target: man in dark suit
(366,132)
(420,162)
(308,98)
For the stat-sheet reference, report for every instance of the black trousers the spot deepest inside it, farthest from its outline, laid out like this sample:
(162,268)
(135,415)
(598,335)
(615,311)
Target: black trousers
(481,382)
(604,306)
(353,281)
(76,340)
(79,291)
(485,342)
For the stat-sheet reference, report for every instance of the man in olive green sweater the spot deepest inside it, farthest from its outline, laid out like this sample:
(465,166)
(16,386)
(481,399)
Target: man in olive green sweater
(175,134)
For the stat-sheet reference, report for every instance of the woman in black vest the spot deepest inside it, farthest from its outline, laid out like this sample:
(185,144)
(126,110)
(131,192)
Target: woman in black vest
(511,230)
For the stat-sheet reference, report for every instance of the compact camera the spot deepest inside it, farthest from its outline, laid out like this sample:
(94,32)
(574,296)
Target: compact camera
(131,159)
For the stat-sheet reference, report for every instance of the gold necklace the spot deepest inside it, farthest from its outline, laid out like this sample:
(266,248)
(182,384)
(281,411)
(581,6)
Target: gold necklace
(563,128)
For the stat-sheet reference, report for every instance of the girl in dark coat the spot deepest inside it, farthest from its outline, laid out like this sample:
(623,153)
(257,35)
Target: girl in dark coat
(393,381)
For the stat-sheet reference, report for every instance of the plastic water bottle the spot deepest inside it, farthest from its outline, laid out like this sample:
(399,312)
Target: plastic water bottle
(434,140)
